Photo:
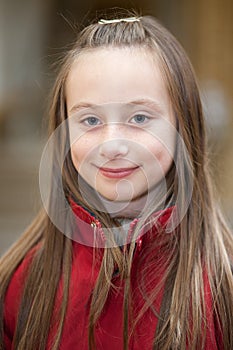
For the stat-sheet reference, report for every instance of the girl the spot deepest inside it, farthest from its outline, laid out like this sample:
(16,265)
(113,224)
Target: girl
(130,250)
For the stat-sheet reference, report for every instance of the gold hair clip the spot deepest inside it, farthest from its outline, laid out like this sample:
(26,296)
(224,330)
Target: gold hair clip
(129,19)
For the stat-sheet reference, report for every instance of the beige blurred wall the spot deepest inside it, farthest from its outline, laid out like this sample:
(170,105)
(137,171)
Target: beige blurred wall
(34,34)
(214,64)
(205,29)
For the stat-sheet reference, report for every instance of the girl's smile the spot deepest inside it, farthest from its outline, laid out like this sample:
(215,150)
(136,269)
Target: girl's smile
(117,173)
(121,122)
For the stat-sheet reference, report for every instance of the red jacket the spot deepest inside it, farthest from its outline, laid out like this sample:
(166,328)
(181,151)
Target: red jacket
(109,328)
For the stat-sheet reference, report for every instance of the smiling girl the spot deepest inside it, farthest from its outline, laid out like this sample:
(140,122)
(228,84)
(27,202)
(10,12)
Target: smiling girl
(130,250)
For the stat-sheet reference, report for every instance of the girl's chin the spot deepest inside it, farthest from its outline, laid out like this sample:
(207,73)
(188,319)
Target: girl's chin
(121,198)
(124,206)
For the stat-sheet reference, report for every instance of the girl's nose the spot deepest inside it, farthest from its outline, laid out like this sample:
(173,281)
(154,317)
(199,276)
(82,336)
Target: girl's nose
(114,144)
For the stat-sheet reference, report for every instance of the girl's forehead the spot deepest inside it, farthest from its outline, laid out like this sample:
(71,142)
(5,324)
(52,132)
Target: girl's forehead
(113,74)
(114,58)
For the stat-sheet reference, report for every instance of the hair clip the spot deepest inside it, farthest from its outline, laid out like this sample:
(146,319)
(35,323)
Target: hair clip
(129,19)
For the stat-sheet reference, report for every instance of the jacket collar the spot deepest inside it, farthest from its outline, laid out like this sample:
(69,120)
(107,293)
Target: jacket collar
(91,233)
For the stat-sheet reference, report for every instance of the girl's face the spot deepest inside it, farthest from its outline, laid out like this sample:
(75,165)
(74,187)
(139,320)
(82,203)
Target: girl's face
(122,126)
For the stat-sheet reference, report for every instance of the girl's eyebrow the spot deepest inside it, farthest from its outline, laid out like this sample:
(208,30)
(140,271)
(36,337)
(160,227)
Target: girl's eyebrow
(82,105)
(148,103)
(143,102)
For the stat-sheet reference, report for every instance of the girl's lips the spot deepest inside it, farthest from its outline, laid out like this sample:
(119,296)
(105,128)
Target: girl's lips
(117,173)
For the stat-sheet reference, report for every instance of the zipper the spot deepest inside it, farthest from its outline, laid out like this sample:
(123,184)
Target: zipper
(97,228)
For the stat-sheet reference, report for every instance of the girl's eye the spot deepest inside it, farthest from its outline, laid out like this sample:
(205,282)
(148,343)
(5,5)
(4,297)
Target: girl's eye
(140,118)
(92,121)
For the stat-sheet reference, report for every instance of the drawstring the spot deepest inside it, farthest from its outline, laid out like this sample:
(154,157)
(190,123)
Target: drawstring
(131,228)
(98,228)
(130,234)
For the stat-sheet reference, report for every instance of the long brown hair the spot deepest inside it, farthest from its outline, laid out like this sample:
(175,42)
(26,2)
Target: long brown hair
(202,246)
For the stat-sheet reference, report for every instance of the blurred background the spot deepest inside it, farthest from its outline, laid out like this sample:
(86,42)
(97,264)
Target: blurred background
(33,36)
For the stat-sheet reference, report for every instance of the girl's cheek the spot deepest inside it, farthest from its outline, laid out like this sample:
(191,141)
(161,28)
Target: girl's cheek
(81,152)
(77,155)
(163,155)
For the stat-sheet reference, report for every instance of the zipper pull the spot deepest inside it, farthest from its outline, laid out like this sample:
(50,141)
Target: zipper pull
(139,243)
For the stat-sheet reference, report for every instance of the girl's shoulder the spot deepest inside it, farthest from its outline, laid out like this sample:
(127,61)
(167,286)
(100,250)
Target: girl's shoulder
(15,289)
(20,272)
